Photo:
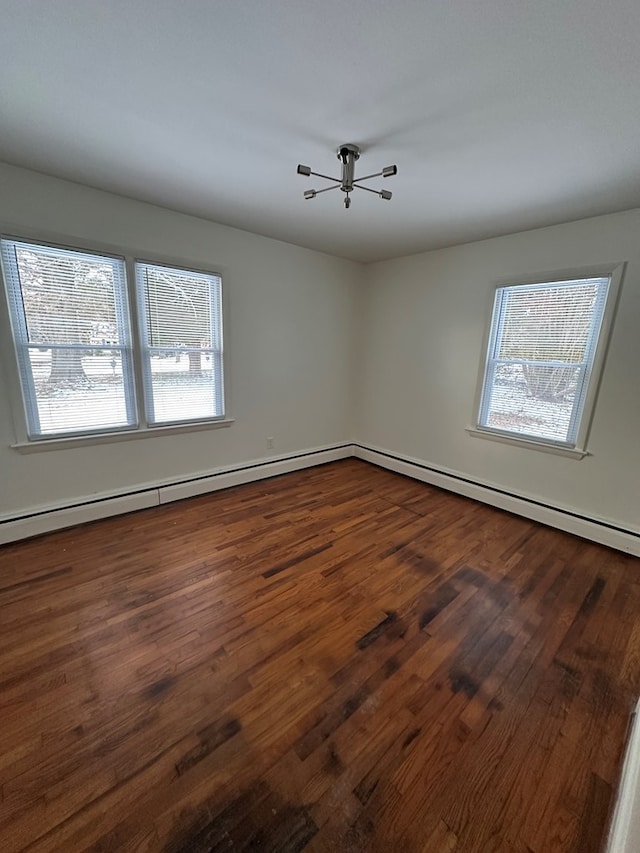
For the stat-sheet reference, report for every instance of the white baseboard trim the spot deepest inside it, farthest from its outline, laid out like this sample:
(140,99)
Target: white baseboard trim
(624,830)
(225,479)
(454,481)
(44,519)
(47,520)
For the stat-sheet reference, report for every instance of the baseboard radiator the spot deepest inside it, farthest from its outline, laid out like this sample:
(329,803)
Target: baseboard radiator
(48,518)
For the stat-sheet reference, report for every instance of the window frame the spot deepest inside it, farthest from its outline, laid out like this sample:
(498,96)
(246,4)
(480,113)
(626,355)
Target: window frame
(577,449)
(18,402)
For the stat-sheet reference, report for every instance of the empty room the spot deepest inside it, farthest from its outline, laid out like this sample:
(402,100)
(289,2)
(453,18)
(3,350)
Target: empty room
(319,426)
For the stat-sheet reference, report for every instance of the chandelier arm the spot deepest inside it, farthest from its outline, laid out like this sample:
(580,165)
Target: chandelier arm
(327,189)
(367,177)
(326,177)
(368,189)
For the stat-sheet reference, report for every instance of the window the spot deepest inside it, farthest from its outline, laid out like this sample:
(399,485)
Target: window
(180,315)
(540,360)
(79,357)
(73,343)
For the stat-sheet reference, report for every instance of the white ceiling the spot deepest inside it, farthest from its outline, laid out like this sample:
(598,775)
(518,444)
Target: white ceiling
(501,115)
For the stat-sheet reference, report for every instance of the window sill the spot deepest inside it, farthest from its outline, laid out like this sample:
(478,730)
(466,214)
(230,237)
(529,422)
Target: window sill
(531,444)
(39,445)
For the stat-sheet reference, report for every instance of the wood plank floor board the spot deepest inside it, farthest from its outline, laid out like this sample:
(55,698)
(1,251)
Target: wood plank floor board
(338,659)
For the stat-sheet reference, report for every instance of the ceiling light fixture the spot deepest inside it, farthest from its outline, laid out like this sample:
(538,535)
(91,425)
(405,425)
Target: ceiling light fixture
(348,154)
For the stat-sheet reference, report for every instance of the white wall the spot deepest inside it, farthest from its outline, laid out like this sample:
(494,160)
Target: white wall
(425,318)
(289,347)
(322,351)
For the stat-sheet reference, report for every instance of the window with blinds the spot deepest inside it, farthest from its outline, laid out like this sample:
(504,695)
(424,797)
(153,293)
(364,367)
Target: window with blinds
(540,358)
(181,329)
(72,336)
(83,368)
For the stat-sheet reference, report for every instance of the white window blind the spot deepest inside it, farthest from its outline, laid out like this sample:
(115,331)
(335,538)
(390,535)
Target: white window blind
(181,329)
(71,331)
(540,358)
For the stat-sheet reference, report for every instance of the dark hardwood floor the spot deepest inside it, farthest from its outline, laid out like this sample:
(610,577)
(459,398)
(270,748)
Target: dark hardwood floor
(340,659)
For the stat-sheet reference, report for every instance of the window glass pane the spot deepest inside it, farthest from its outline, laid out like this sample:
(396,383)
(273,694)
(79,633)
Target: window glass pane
(78,389)
(533,400)
(181,314)
(542,346)
(68,297)
(548,323)
(178,307)
(182,385)
(70,322)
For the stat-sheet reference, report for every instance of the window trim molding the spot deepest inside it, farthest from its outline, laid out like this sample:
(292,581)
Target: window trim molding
(24,443)
(615,271)
(573,452)
(83,440)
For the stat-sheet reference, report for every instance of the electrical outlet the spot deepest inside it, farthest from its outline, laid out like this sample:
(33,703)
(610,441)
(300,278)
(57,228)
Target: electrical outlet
(270,443)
